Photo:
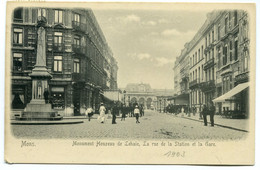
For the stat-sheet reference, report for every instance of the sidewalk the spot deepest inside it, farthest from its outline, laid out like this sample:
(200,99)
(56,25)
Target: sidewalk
(95,116)
(236,124)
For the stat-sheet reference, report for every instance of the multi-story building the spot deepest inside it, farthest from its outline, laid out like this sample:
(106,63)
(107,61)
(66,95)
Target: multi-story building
(196,73)
(209,35)
(219,63)
(176,72)
(232,62)
(77,56)
(184,70)
(181,78)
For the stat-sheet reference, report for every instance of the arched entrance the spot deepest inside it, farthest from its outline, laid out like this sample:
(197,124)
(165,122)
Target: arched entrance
(133,100)
(149,103)
(141,102)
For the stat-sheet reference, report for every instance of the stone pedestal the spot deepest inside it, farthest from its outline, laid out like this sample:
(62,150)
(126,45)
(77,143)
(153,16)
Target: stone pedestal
(37,109)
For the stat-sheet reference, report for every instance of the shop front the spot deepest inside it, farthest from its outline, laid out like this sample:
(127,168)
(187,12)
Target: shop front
(235,103)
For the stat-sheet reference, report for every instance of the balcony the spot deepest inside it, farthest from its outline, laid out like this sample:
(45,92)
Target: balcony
(78,49)
(242,78)
(78,77)
(184,78)
(209,63)
(194,84)
(58,47)
(208,86)
(209,47)
(78,26)
(20,20)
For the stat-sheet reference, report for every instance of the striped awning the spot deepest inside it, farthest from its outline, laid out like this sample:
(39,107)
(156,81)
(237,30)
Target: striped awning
(231,93)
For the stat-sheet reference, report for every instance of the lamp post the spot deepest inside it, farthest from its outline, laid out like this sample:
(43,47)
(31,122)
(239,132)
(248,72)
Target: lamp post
(124,96)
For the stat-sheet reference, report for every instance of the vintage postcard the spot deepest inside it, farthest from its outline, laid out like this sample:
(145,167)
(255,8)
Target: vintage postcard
(130,83)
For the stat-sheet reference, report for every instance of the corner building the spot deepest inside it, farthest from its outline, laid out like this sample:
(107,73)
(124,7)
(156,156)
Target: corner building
(77,56)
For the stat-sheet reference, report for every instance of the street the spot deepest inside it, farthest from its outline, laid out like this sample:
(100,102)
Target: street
(153,125)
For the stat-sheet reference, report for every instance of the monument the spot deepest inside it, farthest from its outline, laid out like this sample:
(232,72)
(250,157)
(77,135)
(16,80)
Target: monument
(39,108)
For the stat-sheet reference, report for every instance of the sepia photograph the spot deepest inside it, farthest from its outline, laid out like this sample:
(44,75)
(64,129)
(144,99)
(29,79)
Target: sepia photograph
(172,80)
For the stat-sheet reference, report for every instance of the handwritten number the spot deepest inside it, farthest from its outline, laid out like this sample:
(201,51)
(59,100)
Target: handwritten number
(175,154)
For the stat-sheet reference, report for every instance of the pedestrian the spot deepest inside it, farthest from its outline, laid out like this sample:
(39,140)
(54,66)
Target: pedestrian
(89,112)
(137,113)
(182,112)
(46,95)
(205,113)
(132,111)
(123,110)
(141,110)
(102,112)
(114,113)
(212,113)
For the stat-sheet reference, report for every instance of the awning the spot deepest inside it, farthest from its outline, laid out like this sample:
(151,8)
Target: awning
(231,93)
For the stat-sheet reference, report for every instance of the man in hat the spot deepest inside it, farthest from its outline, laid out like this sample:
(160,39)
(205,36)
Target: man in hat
(114,113)
(212,110)
(137,113)
(205,113)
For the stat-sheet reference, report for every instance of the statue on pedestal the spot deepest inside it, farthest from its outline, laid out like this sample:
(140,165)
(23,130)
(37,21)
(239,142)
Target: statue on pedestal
(38,108)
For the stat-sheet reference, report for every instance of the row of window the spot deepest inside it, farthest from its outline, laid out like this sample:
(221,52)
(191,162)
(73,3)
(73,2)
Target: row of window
(58,45)
(199,75)
(227,25)
(227,83)
(197,97)
(197,56)
(196,74)
(209,38)
(58,38)
(233,53)
(57,63)
(58,15)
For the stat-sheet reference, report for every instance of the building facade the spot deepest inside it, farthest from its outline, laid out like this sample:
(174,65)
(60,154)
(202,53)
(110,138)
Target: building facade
(219,63)
(140,93)
(232,60)
(181,78)
(176,72)
(143,94)
(77,56)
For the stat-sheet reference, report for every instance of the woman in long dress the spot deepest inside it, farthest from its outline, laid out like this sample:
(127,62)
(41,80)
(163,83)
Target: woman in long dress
(102,111)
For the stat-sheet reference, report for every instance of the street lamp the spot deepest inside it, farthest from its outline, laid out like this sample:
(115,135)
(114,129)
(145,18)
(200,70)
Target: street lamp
(124,96)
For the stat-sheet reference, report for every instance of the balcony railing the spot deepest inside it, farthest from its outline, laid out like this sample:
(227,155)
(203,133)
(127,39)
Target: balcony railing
(209,63)
(185,78)
(242,78)
(78,49)
(58,47)
(18,20)
(208,86)
(78,26)
(193,83)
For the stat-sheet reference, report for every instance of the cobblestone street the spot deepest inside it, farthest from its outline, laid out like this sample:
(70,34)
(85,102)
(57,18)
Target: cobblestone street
(153,125)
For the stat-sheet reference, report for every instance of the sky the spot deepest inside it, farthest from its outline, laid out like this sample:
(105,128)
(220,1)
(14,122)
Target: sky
(145,43)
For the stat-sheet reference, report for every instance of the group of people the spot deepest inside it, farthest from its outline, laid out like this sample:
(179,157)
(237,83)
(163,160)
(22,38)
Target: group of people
(136,111)
(208,110)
